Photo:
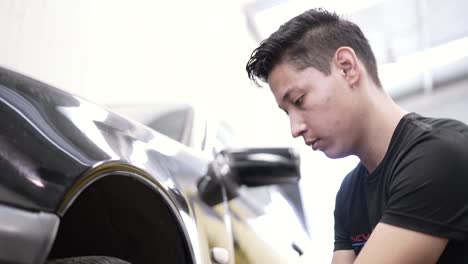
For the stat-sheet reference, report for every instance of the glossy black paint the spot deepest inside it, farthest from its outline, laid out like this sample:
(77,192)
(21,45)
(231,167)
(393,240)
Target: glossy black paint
(261,167)
(254,167)
(49,139)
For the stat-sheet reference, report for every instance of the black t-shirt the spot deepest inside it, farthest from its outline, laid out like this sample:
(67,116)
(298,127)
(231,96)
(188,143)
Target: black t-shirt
(421,184)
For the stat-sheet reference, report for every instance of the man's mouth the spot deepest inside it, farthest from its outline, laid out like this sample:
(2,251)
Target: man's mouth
(313,143)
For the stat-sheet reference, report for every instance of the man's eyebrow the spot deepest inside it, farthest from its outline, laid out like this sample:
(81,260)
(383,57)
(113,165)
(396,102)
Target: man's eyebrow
(283,110)
(286,95)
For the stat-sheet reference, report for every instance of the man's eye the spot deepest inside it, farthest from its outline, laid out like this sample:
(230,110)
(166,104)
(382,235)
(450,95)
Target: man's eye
(299,101)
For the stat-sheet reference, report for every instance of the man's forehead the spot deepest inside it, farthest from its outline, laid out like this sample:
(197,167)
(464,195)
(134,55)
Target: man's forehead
(282,81)
(279,78)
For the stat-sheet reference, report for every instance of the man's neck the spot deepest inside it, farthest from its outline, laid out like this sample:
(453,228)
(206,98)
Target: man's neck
(382,120)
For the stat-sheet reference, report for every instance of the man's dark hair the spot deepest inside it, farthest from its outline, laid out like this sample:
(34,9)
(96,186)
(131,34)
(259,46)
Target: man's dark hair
(311,40)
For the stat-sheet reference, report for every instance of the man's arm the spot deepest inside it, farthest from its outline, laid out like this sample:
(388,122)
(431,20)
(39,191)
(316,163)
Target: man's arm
(343,257)
(392,244)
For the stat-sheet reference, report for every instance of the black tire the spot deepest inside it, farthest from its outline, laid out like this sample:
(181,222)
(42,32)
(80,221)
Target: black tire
(88,260)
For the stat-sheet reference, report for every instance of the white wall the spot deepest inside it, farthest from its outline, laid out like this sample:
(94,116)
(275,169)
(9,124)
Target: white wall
(139,51)
(449,101)
(45,39)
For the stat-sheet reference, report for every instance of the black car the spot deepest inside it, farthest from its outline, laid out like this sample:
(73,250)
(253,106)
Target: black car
(82,184)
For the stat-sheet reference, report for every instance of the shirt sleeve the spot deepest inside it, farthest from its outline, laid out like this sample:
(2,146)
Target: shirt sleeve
(429,190)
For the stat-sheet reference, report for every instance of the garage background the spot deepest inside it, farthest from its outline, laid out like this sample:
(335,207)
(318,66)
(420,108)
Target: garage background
(132,52)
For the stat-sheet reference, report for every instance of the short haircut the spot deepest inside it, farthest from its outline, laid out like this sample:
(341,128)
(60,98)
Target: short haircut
(311,40)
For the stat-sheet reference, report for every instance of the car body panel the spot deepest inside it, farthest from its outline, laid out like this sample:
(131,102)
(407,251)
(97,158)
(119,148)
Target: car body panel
(26,237)
(65,136)
(54,145)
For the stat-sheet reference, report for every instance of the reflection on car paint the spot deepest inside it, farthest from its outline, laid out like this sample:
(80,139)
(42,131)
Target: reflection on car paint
(53,146)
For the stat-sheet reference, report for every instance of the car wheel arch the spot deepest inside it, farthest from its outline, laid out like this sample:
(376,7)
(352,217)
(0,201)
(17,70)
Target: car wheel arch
(121,214)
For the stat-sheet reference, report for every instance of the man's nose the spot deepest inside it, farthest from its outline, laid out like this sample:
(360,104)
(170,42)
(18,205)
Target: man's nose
(297,127)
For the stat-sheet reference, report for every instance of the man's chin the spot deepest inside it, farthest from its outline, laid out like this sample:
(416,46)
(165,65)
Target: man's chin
(335,154)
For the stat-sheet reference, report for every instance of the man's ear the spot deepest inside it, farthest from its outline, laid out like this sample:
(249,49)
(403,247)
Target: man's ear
(346,62)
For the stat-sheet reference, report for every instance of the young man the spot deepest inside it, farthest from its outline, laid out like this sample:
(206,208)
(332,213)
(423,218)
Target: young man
(407,200)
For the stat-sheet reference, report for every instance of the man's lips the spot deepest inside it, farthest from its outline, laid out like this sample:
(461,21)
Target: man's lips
(313,143)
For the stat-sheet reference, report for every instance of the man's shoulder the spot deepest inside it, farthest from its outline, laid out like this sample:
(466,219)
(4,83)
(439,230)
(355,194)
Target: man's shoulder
(432,125)
(427,132)
(443,134)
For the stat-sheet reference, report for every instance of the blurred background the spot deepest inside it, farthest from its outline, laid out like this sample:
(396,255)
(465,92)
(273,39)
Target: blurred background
(142,52)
